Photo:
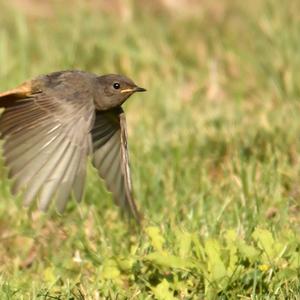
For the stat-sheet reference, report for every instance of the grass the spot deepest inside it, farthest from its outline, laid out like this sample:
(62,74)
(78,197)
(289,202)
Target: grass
(214,147)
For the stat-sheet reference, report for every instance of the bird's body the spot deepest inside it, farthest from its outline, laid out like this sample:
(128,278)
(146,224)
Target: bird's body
(51,124)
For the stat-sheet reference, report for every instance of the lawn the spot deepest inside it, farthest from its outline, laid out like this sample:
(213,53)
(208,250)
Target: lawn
(214,150)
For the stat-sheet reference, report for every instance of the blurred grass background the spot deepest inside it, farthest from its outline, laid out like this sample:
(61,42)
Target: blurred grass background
(214,147)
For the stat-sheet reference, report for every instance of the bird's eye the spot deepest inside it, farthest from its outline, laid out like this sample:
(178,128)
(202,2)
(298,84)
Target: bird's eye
(116,85)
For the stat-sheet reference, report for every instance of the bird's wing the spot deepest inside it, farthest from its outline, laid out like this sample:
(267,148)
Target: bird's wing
(46,143)
(111,157)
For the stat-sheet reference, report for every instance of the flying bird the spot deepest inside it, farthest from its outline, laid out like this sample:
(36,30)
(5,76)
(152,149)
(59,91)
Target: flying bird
(52,124)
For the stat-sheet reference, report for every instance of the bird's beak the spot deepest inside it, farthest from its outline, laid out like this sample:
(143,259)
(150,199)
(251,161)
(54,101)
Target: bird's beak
(139,89)
(133,90)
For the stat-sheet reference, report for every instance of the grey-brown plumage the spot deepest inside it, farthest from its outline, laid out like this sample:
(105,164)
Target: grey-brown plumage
(50,125)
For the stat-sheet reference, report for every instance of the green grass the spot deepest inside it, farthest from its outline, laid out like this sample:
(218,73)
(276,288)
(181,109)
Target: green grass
(214,148)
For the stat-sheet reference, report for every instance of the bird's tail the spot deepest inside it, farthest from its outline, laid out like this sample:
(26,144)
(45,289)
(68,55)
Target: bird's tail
(9,97)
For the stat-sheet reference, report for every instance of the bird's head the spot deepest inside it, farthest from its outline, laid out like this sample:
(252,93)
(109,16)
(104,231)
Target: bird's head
(114,90)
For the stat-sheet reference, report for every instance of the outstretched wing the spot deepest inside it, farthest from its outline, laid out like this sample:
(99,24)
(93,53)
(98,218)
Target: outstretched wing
(46,142)
(111,157)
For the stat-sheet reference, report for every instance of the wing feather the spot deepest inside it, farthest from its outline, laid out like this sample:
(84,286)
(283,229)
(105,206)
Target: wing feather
(46,143)
(111,157)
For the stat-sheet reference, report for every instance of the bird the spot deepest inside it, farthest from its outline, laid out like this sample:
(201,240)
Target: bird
(52,124)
